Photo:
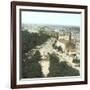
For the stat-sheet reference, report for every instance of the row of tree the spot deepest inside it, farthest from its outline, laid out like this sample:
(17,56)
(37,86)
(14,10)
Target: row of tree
(32,69)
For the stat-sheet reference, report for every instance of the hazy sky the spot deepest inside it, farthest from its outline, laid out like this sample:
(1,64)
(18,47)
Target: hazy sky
(51,18)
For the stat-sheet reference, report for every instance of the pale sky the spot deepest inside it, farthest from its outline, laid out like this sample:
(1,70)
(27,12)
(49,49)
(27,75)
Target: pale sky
(29,17)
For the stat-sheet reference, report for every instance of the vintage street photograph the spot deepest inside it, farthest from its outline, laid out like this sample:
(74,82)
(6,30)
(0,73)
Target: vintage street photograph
(50,44)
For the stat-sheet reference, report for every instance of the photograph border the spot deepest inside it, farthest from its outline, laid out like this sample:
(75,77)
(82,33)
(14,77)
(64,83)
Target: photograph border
(13,44)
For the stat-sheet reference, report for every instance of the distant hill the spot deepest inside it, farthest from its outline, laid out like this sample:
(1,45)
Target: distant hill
(57,28)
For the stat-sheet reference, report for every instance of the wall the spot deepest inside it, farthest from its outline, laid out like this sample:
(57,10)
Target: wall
(5,45)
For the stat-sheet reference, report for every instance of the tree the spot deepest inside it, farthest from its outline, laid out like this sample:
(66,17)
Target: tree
(31,68)
(41,30)
(58,69)
(54,63)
